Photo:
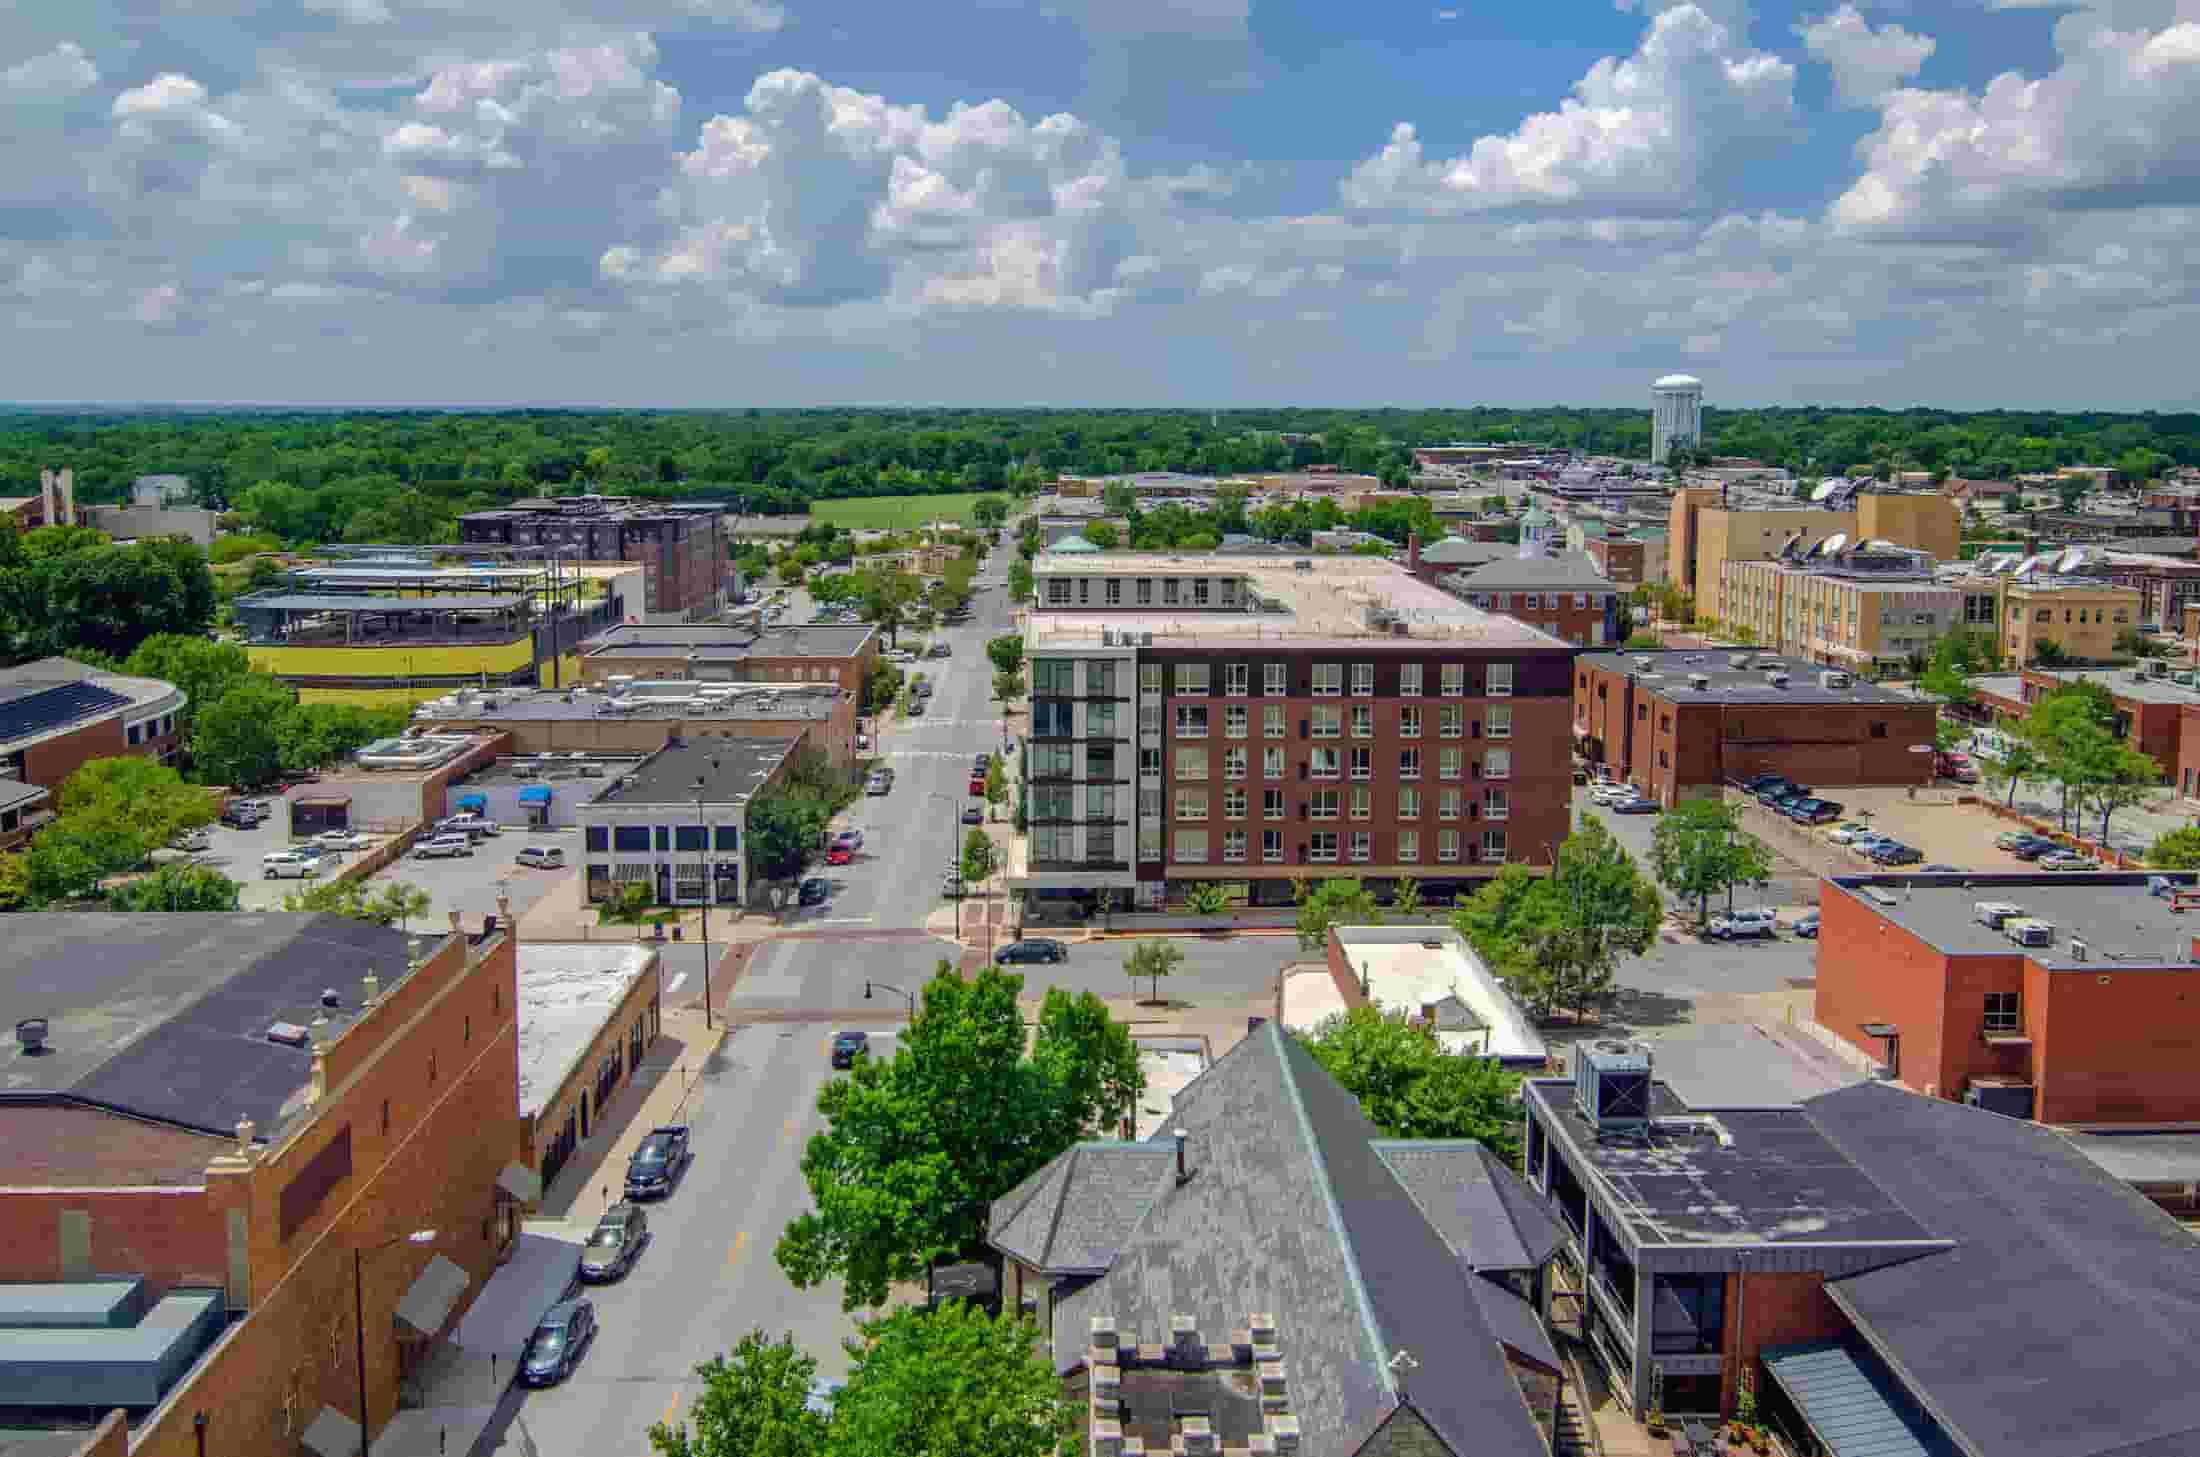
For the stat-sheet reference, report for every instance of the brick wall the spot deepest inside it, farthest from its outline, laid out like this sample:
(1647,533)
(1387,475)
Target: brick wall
(1871,970)
(1773,1310)
(171,1236)
(111,1438)
(48,763)
(641,1006)
(2112,1046)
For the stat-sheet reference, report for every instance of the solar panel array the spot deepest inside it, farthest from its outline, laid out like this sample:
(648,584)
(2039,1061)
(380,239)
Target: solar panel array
(40,709)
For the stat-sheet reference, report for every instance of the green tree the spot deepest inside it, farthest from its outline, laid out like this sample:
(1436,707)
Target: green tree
(1405,897)
(1007,653)
(402,901)
(950,1382)
(632,904)
(996,783)
(1118,499)
(176,888)
(1008,687)
(1409,1086)
(1700,850)
(1103,535)
(1337,901)
(2019,761)
(2118,778)
(1090,1055)
(754,1403)
(148,799)
(917,1148)
(1022,581)
(238,738)
(989,512)
(1596,907)
(1206,898)
(2177,850)
(979,858)
(202,669)
(1153,958)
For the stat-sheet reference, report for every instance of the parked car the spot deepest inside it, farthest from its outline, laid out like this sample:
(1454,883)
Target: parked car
(1610,793)
(1747,922)
(192,842)
(615,1243)
(2034,847)
(812,892)
(1756,782)
(977,784)
(289,865)
(849,839)
(1849,832)
(2011,839)
(839,855)
(1897,854)
(1937,868)
(1636,806)
(542,857)
(2068,860)
(973,815)
(980,762)
(473,825)
(443,847)
(656,1166)
(941,650)
(1783,789)
(848,1046)
(1806,925)
(951,885)
(341,840)
(1037,949)
(560,1338)
(822,1395)
(879,783)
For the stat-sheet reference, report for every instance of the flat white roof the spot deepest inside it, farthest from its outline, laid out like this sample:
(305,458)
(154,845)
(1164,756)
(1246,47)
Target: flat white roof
(567,991)
(1405,972)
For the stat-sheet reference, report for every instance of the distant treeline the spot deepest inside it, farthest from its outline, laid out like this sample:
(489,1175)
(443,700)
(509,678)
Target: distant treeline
(367,473)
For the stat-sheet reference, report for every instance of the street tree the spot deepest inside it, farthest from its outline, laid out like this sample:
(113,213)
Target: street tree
(950,1382)
(979,857)
(1700,850)
(1409,1086)
(1337,901)
(1091,1056)
(754,1403)
(176,888)
(630,905)
(2177,850)
(2018,762)
(1597,907)
(989,512)
(1008,687)
(1153,958)
(996,783)
(1021,581)
(2120,777)
(238,738)
(1405,897)
(1007,653)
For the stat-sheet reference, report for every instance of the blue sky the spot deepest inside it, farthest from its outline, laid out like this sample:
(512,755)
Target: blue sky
(1201,202)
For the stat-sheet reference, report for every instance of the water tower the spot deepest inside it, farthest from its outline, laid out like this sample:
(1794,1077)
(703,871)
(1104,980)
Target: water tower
(1676,417)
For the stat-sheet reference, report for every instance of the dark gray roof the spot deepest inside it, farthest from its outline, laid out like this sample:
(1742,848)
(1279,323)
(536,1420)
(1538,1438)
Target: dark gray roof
(166,1016)
(731,771)
(345,602)
(32,706)
(2110,911)
(1849,1398)
(2144,1157)
(724,640)
(14,792)
(1737,685)
(1291,1210)
(1513,1323)
(1485,1214)
(1460,550)
(1072,1216)
(1565,570)
(2061,1323)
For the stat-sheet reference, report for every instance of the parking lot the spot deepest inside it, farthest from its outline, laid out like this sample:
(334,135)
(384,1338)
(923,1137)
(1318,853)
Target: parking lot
(237,854)
(470,884)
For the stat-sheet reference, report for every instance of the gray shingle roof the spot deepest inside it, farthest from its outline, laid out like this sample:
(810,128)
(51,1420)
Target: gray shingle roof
(1292,1209)
(1565,569)
(1488,1217)
(1072,1216)
(2061,1323)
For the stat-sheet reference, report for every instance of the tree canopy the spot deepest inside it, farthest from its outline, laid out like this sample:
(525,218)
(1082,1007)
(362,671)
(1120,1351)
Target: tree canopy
(1409,1086)
(1334,901)
(1557,938)
(1700,850)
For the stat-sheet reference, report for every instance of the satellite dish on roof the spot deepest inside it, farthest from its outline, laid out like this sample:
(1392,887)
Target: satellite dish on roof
(1787,547)
(2029,565)
(2070,560)
(1825,489)
(1833,543)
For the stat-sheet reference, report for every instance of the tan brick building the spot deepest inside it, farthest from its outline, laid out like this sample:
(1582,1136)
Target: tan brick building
(1863,610)
(2080,616)
(1705,535)
(714,652)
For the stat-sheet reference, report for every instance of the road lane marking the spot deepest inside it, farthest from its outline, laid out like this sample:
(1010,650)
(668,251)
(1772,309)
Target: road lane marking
(734,1254)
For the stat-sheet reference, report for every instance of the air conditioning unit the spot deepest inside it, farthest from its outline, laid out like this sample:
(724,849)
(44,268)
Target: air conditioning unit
(2027,931)
(1612,1087)
(1833,678)
(1777,680)
(1994,914)
(1738,660)
(1701,682)
(2157,667)
(526,771)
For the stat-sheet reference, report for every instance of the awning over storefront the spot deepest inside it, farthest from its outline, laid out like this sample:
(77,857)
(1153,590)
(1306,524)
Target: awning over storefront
(471,801)
(1852,1403)
(331,1434)
(542,1268)
(435,1291)
(521,1182)
(536,794)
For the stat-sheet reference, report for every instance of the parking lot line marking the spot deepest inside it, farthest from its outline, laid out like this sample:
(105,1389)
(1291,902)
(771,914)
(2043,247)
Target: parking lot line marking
(734,1254)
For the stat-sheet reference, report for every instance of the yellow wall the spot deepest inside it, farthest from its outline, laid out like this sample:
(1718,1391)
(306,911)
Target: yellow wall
(2093,640)
(391,662)
(1752,536)
(1926,523)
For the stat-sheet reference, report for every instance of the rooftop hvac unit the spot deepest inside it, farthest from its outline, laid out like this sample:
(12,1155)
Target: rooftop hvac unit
(2157,667)
(1995,914)
(1612,1087)
(1833,678)
(2026,931)
(1737,660)
(591,771)
(1643,663)
(1701,682)
(1777,680)
(526,771)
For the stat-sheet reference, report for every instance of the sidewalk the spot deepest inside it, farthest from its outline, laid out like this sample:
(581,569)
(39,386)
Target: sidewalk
(564,914)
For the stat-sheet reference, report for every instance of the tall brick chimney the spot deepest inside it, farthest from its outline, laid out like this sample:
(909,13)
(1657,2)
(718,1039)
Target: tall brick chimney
(1413,552)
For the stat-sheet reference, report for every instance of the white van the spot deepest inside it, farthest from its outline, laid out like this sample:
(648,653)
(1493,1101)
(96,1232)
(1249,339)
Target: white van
(289,865)
(542,857)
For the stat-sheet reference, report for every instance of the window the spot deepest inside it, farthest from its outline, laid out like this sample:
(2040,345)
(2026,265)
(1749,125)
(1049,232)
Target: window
(1451,721)
(1200,588)
(1493,845)
(1271,846)
(1324,804)
(1100,720)
(1363,846)
(1233,846)
(1271,720)
(1328,723)
(1409,763)
(1363,763)
(1533,602)
(1233,763)
(1053,761)
(1409,722)
(1447,846)
(1455,680)
(599,838)
(1051,718)
(1501,721)
(1363,680)
(728,837)
(1449,763)
(1496,805)
(1191,845)
(1363,802)
(1271,763)
(1233,804)
(1409,846)
(1272,680)
(1271,804)
(1053,678)
(1879,728)
(1234,721)
(1191,804)
(1328,680)
(664,837)
(1100,674)
(1322,846)
(1500,680)
(1191,720)
(1447,804)
(1363,721)
(1115,591)
(1687,1314)
(630,839)
(1191,764)
(1497,764)
(1084,590)
(1149,839)
(1149,677)
(1191,677)
(688,838)
(1051,802)
(1581,600)
(1172,592)
(1149,804)
(1325,763)
(1409,804)
(1145,599)
(2002,1013)
(1099,801)
(1057,592)
(1237,679)
(1409,680)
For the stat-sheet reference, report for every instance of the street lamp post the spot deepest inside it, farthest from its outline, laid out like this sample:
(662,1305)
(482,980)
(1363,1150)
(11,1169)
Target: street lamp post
(897,991)
(359,1313)
(710,886)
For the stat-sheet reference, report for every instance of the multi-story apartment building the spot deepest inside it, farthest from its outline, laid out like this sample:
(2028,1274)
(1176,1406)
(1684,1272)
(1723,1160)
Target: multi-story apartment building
(1255,721)
(1864,608)
(1705,534)
(1563,594)
(682,546)
(2080,616)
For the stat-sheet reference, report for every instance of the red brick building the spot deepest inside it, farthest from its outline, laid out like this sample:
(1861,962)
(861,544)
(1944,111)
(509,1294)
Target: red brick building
(1564,594)
(373,1093)
(56,713)
(1678,722)
(2150,711)
(1618,558)
(2088,1014)
(681,546)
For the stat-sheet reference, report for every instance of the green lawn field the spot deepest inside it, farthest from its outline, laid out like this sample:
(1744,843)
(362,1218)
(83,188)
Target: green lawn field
(898,513)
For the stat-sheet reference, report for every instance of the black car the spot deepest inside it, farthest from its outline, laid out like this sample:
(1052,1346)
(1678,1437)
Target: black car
(657,1165)
(973,816)
(813,892)
(2034,847)
(848,1046)
(615,1242)
(1897,855)
(1037,948)
(555,1348)
(1756,782)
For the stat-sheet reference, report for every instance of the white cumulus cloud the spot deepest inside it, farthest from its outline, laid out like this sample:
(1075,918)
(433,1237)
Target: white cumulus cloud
(1867,63)
(57,75)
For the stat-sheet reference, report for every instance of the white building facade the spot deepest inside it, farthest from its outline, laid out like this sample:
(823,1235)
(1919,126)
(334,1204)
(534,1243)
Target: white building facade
(1676,418)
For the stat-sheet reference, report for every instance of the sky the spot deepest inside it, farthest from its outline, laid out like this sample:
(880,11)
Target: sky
(1207,203)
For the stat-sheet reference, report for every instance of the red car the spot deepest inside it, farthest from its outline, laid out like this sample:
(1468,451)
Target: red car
(839,855)
(977,784)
